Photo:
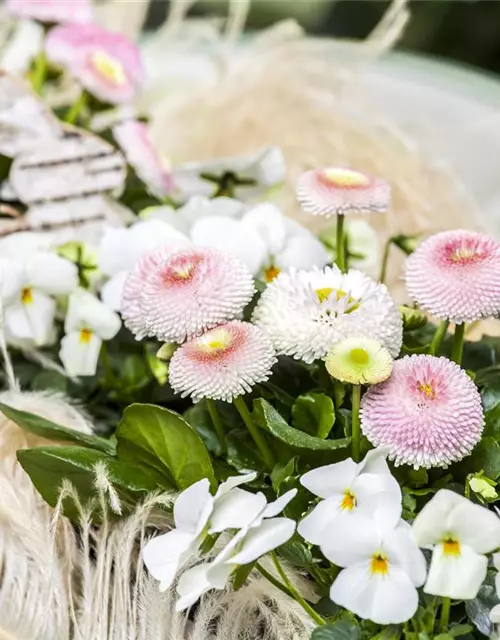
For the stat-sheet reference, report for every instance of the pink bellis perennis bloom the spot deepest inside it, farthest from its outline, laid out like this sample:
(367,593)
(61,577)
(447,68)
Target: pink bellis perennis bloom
(222,363)
(427,414)
(455,275)
(177,296)
(134,140)
(51,10)
(107,64)
(337,191)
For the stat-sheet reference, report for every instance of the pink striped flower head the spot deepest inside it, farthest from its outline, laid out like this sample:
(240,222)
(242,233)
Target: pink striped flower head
(175,296)
(427,414)
(222,363)
(106,63)
(51,10)
(455,275)
(331,191)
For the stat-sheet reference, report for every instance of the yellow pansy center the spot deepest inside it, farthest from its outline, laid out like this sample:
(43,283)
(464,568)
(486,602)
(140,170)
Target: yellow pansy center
(346,177)
(359,356)
(27,295)
(85,336)
(109,67)
(451,547)
(348,501)
(379,564)
(271,272)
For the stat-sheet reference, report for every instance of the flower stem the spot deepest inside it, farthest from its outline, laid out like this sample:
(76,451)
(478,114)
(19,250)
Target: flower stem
(39,72)
(215,417)
(458,343)
(356,431)
(340,243)
(73,113)
(439,337)
(269,576)
(259,439)
(385,261)
(445,614)
(295,594)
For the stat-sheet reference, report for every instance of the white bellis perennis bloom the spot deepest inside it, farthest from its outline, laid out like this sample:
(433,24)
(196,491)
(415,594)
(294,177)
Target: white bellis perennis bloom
(88,322)
(350,491)
(383,569)
(176,296)
(305,312)
(461,533)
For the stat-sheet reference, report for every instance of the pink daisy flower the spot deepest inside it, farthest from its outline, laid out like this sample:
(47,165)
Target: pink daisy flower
(51,10)
(223,363)
(335,191)
(427,414)
(177,296)
(135,141)
(107,64)
(455,275)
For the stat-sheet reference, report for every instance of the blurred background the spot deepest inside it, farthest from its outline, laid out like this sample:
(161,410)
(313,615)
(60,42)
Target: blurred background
(464,30)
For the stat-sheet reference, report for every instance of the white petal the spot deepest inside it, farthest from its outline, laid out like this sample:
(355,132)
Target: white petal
(378,496)
(271,534)
(193,507)
(192,585)
(497,584)
(389,599)
(475,526)
(431,524)
(115,252)
(33,320)
(163,555)
(166,214)
(375,462)
(235,481)
(496,561)
(111,292)
(312,527)
(236,509)
(153,234)
(352,539)
(458,577)
(276,507)
(302,252)
(12,280)
(495,614)
(80,356)
(223,206)
(403,551)
(51,274)
(330,479)
(267,221)
(85,311)
(229,235)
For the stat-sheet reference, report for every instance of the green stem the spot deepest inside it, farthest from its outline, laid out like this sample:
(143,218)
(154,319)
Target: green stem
(444,620)
(295,594)
(385,261)
(439,337)
(39,72)
(340,243)
(257,435)
(269,576)
(356,431)
(458,343)
(73,113)
(215,417)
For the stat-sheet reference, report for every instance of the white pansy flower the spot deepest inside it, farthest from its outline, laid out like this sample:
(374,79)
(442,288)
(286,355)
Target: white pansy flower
(244,177)
(120,250)
(495,612)
(383,568)
(461,533)
(88,322)
(260,536)
(197,513)
(350,491)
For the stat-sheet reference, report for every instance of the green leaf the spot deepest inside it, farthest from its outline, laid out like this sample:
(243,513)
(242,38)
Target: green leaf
(48,466)
(485,457)
(269,419)
(52,380)
(460,630)
(241,574)
(241,451)
(443,636)
(51,431)
(314,413)
(199,418)
(282,471)
(296,553)
(492,422)
(342,630)
(161,439)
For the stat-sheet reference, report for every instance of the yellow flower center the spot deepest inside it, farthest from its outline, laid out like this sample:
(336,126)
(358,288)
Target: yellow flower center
(379,564)
(27,295)
(465,254)
(109,67)
(271,272)
(348,501)
(85,336)
(325,292)
(451,547)
(359,356)
(215,341)
(346,177)
(427,389)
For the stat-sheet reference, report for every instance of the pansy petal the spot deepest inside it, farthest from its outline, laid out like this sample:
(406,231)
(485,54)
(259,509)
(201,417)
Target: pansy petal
(12,280)
(85,311)
(431,524)
(315,525)
(302,252)
(192,585)
(33,319)
(403,551)
(235,481)
(51,274)
(276,507)
(111,292)
(116,251)
(475,526)
(236,510)
(162,555)
(352,539)
(495,614)
(193,507)
(456,576)
(378,496)
(79,353)
(272,533)
(330,479)
(267,221)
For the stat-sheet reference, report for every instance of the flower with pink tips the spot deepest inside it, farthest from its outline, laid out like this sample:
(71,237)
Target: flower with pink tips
(51,10)
(336,191)
(427,414)
(455,275)
(175,296)
(222,363)
(106,63)
(133,138)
